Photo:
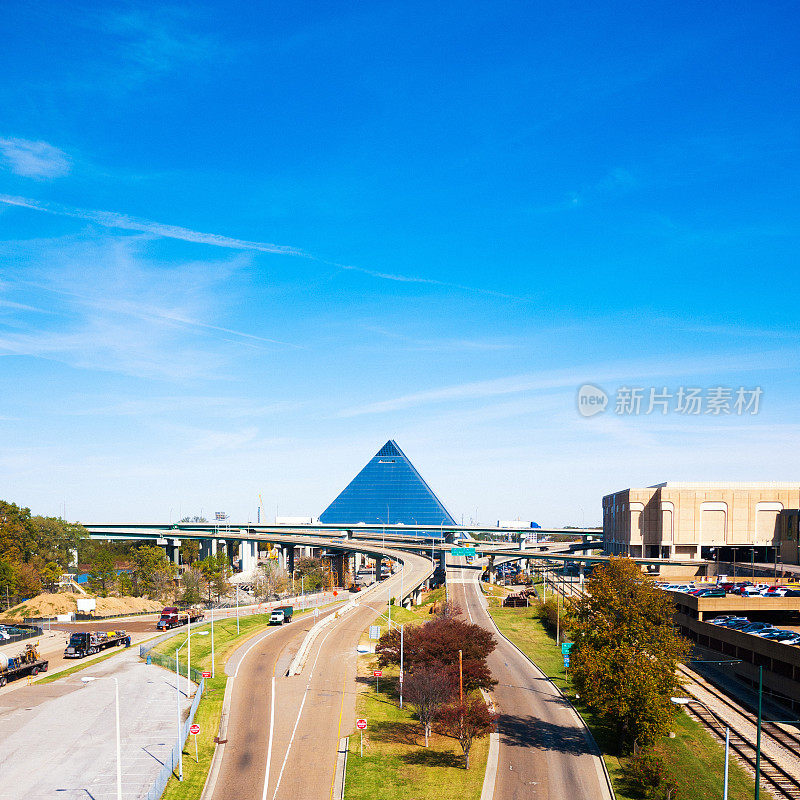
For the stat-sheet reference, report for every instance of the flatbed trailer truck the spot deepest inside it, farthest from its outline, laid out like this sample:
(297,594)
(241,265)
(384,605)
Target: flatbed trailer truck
(172,617)
(87,643)
(28,662)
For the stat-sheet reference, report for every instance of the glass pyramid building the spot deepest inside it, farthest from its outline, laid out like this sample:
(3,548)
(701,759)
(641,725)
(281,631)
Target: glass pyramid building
(389,490)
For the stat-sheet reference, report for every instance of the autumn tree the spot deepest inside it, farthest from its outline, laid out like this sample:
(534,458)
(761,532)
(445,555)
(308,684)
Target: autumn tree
(626,651)
(269,579)
(427,690)
(466,721)
(436,644)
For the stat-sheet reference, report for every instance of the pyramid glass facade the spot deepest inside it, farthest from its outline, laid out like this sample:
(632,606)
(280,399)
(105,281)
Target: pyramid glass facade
(389,490)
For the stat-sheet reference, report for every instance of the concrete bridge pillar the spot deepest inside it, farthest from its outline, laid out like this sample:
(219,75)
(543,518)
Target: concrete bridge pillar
(288,553)
(248,556)
(230,551)
(206,549)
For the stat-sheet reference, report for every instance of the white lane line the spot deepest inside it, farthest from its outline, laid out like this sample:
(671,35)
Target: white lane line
(300,712)
(256,641)
(269,748)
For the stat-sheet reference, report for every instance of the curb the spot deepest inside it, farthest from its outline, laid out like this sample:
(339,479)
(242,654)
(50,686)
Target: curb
(298,662)
(341,769)
(219,749)
(586,732)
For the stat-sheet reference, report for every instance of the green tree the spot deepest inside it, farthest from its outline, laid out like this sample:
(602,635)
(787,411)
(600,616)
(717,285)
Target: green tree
(190,551)
(153,573)
(312,572)
(626,651)
(55,539)
(193,585)
(215,571)
(102,573)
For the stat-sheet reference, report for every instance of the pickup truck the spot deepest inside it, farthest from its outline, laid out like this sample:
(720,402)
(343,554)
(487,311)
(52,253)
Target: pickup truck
(280,615)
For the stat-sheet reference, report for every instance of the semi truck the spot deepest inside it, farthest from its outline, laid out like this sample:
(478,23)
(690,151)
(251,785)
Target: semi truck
(280,614)
(28,662)
(87,643)
(172,617)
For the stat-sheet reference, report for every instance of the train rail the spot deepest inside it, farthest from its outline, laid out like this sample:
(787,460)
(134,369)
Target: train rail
(782,782)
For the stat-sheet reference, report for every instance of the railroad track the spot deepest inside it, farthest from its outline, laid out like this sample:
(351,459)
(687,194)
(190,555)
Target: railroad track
(780,781)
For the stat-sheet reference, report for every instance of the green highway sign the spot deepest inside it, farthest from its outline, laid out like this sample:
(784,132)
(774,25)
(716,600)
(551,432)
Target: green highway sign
(463,551)
(566,647)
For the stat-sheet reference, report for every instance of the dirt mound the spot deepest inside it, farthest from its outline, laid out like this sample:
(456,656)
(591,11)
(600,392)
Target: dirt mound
(48,605)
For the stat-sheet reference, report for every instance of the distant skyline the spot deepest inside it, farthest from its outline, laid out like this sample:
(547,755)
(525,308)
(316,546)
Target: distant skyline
(240,248)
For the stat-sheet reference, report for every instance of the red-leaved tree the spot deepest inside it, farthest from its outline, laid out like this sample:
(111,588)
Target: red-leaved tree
(427,690)
(466,722)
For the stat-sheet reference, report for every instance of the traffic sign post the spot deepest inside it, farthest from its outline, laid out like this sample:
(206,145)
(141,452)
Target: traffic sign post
(361,724)
(194,730)
(377,673)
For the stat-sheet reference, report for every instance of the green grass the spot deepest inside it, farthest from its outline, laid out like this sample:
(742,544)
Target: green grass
(65,673)
(209,710)
(694,758)
(396,765)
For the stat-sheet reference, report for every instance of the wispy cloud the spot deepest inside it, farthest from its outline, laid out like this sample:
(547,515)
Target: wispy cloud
(718,365)
(113,219)
(38,160)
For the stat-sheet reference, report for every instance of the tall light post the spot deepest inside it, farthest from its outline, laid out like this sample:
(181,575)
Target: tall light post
(684,701)
(119,751)
(178,695)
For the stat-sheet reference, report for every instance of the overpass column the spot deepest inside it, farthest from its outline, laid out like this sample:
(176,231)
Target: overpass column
(176,552)
(205,549)
(248,552)
(580,574)
(230,548)
(289,556)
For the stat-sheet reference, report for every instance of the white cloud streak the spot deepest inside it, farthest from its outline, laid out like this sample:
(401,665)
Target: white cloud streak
(38,160)
(113,219)
(721,365)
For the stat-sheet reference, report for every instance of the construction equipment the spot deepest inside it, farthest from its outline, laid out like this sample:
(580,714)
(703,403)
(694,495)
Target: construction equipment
(28,662)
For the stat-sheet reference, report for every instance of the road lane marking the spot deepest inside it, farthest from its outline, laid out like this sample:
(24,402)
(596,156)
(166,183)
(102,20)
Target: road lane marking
(338,736)
(258,640)
(300,712)
(269,748)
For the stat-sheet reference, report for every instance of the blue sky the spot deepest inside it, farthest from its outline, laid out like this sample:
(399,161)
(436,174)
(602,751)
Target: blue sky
(241,248)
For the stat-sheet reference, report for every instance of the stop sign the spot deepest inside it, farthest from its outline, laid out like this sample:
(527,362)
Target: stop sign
(195,729)
(361,724)
(206,674)
(378,673)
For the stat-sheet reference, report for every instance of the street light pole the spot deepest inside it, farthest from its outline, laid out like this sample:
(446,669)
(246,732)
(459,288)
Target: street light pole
(237,609)
(212,642)
(401,665)
(684,701)
(119,748)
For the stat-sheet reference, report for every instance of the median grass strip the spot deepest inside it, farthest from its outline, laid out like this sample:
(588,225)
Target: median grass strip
(694,758)
(395,764)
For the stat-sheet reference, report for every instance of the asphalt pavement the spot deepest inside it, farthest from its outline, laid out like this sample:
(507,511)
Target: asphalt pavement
(544,750)
(58,740)
(283,733)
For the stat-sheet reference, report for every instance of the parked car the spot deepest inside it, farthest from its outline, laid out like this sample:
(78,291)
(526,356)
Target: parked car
(723,618)
(755,627)
(710,593)
(727,586)
(775,591)
(735,624)
(780,636)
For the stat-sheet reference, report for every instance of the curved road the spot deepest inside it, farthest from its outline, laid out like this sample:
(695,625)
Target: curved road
(283,733)
(544,751)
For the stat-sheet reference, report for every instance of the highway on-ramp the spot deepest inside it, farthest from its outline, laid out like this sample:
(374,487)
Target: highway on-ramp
(544,750)
(283,733)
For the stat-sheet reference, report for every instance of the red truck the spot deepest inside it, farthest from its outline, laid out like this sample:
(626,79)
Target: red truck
(172,617)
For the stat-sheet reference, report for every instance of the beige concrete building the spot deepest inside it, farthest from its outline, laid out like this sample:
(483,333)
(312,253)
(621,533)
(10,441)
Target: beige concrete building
(698,520)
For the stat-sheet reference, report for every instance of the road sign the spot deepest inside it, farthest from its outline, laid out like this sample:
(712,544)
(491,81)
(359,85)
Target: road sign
(206,674)
(566,660)
(374,631)
(377,673)
(361,724)
(463,551)
(566,647)
(195,729)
